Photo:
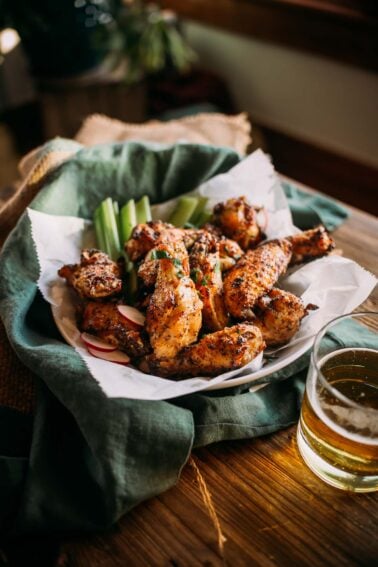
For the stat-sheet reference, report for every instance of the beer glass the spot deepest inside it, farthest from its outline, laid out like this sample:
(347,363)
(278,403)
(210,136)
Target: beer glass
(338,430)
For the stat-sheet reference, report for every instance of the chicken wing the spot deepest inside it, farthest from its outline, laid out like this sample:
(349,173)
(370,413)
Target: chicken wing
(148,269)
(174,313)
(228,349)
(96,277)
(147,236)
(311,244)
(254,275)
(279,315)
(105,321)
(206,274)
(238,220)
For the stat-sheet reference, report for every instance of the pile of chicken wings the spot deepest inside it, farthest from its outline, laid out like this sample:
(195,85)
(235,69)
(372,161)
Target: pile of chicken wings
(209,295)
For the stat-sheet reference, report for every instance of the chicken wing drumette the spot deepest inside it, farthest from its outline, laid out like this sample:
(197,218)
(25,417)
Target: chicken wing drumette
(279,315)
(96,277)
(237,219)
(254,275)
(105,321)
(228,349)
(206,273)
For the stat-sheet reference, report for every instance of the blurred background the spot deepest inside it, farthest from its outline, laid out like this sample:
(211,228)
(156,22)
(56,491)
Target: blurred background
(304,70)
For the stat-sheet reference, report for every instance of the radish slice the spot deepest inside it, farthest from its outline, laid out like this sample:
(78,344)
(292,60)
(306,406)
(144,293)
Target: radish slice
(132,315)
(114,356)
(97,344)
(262,218)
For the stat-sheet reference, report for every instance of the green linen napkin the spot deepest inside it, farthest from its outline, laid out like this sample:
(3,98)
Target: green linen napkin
(92,458)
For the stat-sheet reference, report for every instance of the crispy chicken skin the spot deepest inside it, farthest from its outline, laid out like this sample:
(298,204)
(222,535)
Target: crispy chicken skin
(237,219)
(96,277)
(206,274)
(174,313)
(254,275)
(148,268)
(147,236)
(279,315)
(105,321)
(228,349)
(311,244)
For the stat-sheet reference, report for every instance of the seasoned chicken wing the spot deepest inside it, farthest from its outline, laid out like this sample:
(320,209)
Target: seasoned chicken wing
(279,315)
(228,349)
(254,275)
(174,313)
(148,269)
(206,274)
(96,277)
(237,219)
(311,244)
(147,236)
(105,321)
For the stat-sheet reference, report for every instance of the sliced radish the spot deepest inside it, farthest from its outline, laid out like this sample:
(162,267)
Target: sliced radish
(97,344)
(262,218)
(114,356)
(132,315)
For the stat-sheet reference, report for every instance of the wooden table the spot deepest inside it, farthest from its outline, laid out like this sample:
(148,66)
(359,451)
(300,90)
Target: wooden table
(271,508)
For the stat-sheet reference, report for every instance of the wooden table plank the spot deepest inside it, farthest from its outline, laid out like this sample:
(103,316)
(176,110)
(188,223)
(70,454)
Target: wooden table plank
(272,509)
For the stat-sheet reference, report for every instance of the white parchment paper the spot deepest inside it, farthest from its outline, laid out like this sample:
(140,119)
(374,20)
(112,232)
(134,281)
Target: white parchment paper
(337,285)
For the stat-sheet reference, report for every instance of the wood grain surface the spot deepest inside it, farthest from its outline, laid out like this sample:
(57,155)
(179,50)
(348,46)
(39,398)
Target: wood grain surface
(272,509)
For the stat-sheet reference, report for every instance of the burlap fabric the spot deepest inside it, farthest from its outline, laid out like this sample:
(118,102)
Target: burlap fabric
(17,389)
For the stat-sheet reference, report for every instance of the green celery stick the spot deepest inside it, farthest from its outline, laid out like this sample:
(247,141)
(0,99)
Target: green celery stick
(204,217)
(183,211)
(109,223)
(198,210)
(116,213)
(143,210)
(128,220)
(99,230)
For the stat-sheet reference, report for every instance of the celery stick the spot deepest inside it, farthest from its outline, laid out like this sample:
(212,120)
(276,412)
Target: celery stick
(143,210)
(204,217)
(116,213)
(128,220)
(198,210)
(100,237)
(183,211)
(110,229)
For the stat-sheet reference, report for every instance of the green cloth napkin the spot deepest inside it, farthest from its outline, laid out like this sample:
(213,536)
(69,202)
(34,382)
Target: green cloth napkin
(85,459)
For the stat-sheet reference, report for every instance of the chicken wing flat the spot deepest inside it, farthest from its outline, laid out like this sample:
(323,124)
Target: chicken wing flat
(206,274)
(174,313)
(279,315)
(311,244)
(228,349)
(237,219)
(105,321)
(96,277)
(254,275)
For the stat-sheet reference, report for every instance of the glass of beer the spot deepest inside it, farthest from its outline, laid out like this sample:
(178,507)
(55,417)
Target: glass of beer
(338,429)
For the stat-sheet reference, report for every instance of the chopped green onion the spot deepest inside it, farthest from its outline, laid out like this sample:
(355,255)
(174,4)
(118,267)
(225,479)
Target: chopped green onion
(109,224)
(128,218)
(159,254)
(183,211)
(143,210)
(202,201)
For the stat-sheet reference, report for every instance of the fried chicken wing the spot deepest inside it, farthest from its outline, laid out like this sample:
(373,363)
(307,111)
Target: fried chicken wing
(228,349)
(279,315)
(174,313)
(105,321)
(147,236)
(311,244)
(237,219)
(96,277)
(254,275)
(148,269)
(206,273)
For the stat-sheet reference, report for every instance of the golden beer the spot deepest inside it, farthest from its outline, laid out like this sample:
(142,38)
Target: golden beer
(338,430)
